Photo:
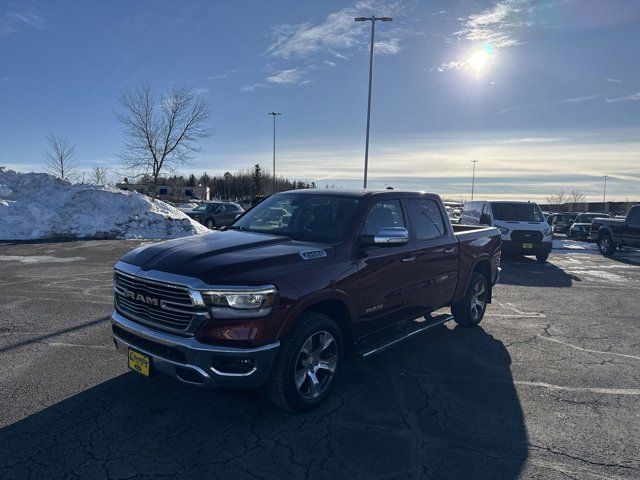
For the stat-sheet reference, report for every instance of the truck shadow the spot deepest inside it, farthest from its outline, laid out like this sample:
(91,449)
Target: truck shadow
(531,273)
(440,406)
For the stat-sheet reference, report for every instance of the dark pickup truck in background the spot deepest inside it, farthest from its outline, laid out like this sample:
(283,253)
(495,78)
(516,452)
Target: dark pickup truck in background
(279,298)
(612,233)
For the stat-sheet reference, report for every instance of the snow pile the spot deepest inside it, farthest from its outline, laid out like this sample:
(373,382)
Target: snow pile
(574,245)
(37,205)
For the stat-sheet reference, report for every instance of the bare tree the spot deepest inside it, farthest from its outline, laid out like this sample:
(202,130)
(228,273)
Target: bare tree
(577,196)
(161,137)
(558,198)
(60,157)
(100,176)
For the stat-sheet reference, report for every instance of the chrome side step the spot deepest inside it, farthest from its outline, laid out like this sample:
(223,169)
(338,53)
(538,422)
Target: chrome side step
(411,329)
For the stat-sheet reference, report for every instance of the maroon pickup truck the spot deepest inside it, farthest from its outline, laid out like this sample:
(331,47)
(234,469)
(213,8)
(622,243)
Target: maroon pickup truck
(279,298)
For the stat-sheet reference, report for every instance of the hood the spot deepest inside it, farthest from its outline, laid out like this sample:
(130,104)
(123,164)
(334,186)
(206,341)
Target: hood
(231,257)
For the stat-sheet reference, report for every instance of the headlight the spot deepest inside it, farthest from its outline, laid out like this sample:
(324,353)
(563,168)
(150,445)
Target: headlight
(240,299)
(503,230)
(547,232)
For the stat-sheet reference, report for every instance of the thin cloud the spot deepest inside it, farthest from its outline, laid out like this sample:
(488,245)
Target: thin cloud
(284,77)
(252,87)
(493,26)
(583,99)
(12,22)
(336,36)
(626,98)
(496,27)
(613,80)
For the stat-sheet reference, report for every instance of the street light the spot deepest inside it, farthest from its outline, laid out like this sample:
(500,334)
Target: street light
(274,114)
(473,178)
(373,20)
(604,195)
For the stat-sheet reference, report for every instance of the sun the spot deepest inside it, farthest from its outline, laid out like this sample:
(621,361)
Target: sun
(478,60)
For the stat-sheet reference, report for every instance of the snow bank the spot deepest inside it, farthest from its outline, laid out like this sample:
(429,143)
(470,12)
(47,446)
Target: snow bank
(575,246)
(37,205)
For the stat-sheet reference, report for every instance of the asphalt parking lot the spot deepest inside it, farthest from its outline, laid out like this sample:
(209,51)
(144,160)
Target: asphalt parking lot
(549,387)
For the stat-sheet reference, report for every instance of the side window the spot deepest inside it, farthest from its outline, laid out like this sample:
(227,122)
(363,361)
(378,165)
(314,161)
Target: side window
(385,213)
(634,216)
(425,218)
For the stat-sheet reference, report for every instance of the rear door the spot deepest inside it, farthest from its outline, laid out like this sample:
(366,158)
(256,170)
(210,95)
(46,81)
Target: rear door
(631,228)
(435,268)
(384,273)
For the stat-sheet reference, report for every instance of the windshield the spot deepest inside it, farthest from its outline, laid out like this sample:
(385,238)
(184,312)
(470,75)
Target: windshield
(201,207)
(312,218)
(587,218)
(517,212)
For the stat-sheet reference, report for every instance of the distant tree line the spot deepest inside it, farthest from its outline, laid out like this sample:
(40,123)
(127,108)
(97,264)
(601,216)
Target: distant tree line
(250,182)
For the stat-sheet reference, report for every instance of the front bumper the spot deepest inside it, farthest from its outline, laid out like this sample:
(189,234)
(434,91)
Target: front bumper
(511,247)
(193,362)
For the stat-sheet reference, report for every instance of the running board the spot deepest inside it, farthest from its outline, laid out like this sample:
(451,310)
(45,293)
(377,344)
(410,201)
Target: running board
(410,329)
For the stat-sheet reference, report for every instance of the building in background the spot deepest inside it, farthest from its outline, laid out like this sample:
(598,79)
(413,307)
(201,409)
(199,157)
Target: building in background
(170,193)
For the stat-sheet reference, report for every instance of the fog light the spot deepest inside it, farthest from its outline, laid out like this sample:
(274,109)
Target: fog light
(228,365)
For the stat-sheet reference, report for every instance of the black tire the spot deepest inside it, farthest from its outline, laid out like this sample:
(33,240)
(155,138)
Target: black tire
(467,313)
(542,257)
(281,387)
(210,224)
(606,245)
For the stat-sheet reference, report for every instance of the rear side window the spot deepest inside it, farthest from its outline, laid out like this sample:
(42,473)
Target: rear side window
(425,218)
(383,214)
(471,212)
(634,216)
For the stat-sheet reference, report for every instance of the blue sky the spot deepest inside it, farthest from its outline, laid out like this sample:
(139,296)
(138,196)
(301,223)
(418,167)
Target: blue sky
(552,104)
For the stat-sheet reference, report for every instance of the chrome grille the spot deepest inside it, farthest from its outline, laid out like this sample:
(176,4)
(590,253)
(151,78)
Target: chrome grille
(164,305)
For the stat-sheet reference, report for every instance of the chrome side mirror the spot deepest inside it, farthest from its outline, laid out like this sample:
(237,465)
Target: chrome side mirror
(391,236)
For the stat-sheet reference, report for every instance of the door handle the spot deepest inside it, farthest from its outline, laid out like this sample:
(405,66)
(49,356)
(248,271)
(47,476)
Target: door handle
(408,259)
(450,250)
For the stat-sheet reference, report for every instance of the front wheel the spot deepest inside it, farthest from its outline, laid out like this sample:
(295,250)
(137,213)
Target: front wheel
(542,257)
(210,224)
(606,244)
(470,310)
(307,364)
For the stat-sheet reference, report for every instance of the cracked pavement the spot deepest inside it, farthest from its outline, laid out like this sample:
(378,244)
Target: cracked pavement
(549,387)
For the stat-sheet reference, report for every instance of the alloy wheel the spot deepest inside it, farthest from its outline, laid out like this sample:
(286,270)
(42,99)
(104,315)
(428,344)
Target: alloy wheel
(478,301)
(316,364)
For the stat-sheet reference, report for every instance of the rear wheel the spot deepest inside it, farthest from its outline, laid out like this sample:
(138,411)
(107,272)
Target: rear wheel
(307,364)
(470,310)
(606,244)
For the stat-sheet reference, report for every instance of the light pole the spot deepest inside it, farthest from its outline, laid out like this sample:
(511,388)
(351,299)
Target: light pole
(373,20)
(473,178)
(274,114)
(604,195)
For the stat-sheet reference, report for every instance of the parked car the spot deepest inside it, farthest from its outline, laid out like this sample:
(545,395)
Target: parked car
(215,214)
(186,207)
(563,221)
(618,232)
(276,301)
(522,225)
(581,226)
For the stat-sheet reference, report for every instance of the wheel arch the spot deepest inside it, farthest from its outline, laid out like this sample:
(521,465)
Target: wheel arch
(334,304)
(484,267)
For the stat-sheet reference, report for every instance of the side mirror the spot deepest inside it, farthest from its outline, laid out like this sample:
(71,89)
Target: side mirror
(387,237)
(485,219)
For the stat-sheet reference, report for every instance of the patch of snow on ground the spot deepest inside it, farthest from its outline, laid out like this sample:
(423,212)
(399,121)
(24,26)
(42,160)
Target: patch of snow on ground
(574,245)
(37,205)
(38,259)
